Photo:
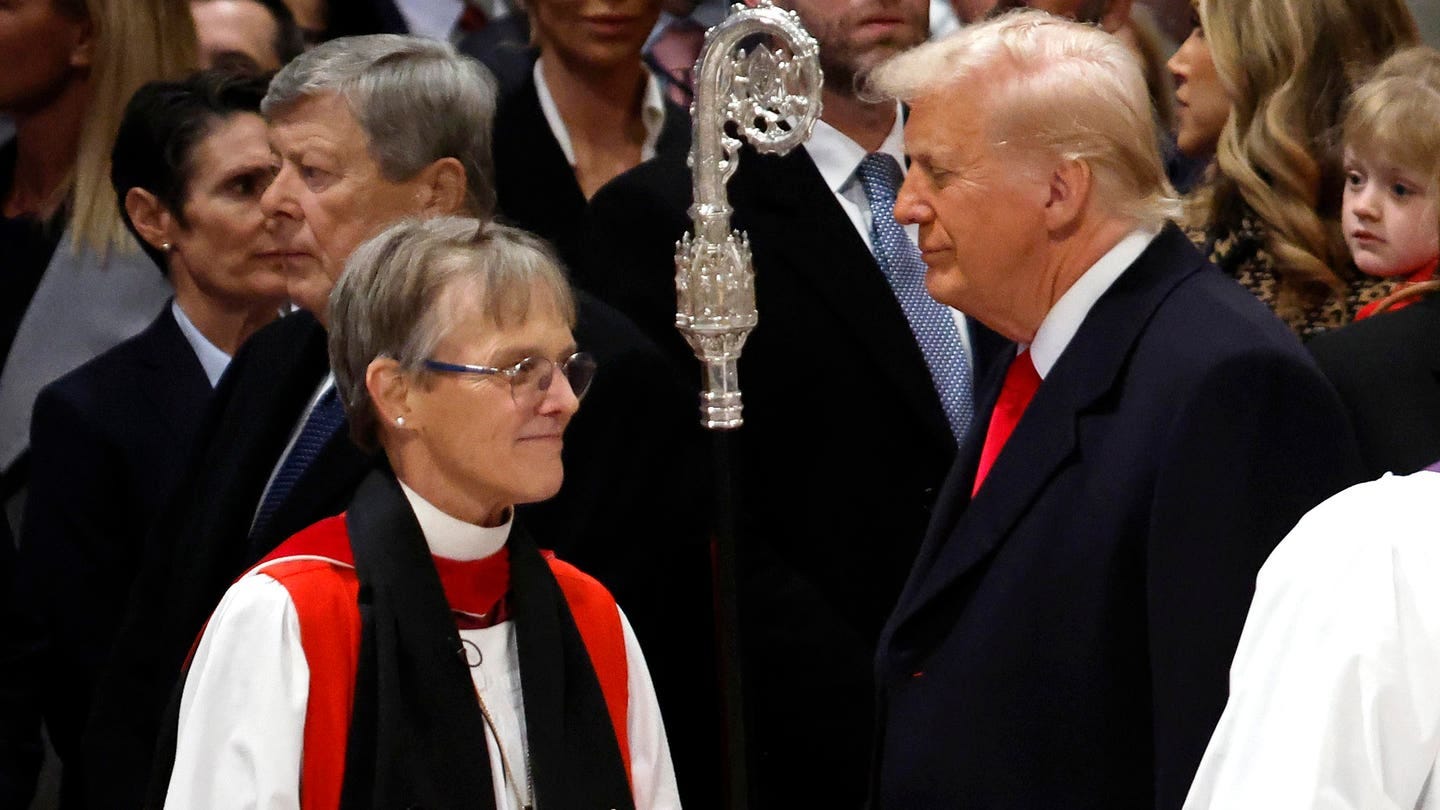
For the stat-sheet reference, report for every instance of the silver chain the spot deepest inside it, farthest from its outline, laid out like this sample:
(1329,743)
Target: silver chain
(505,761)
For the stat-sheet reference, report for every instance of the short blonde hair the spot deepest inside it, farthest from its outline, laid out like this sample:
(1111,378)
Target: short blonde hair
(388,302)
(1396,115)
(1066,89)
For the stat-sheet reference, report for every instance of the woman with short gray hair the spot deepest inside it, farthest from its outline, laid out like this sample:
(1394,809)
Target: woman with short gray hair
(387,303)
(332,669)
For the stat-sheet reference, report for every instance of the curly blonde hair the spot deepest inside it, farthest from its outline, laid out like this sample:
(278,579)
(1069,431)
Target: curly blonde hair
(1289,66)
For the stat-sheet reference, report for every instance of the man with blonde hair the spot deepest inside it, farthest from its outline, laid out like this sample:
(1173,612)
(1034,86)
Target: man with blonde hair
(1063,637)
(833,497)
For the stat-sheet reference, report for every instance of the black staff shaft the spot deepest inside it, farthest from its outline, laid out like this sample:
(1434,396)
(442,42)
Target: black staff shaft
(724,554)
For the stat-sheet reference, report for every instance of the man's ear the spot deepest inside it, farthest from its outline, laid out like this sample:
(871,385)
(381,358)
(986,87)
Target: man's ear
(1070,185)
(390,391)
(442,188)
(1116,16)
(153,221)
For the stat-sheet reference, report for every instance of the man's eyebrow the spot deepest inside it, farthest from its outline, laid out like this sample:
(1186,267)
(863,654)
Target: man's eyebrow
(521,352)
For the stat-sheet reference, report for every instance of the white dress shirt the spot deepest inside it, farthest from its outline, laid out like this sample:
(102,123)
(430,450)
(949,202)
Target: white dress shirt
(652,115)
(1064,318)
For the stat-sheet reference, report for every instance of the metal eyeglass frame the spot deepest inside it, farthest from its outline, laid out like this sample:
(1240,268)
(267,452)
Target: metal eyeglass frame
(510,373)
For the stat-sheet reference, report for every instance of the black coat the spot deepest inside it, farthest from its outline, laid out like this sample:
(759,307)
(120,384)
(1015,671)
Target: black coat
(1065,637)
(199,542)
(844,446)
(535,184)
(1387,370)
(107,443)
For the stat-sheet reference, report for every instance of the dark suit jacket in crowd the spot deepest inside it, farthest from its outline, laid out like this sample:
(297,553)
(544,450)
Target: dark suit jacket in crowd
(535,184)
(1387,370)
(200,541)
(1065,637)
(345,18)
(844,445)
(107,441)
(503,46)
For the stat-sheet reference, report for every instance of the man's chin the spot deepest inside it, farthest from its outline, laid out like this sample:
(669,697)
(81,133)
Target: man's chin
(311,297)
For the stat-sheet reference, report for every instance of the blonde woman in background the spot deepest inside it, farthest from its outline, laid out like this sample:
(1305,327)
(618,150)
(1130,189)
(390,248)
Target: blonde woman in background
(72,281)
(1271,216)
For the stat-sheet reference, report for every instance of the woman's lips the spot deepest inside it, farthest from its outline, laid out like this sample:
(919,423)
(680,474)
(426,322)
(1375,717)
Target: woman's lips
(610,25)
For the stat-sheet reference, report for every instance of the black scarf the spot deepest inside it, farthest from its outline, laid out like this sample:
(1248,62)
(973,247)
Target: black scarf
(417,736)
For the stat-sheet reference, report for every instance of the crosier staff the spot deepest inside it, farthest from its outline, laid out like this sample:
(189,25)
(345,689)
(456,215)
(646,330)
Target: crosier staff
(771,99)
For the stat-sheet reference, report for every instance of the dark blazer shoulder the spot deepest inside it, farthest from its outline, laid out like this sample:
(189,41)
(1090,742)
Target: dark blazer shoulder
(153,377)
(1387,372)
(161,341)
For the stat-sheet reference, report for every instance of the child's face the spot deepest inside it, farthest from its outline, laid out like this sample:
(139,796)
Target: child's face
(1390,216)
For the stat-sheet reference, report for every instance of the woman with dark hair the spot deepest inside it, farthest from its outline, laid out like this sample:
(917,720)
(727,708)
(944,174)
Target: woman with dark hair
(588,110)
(189,165)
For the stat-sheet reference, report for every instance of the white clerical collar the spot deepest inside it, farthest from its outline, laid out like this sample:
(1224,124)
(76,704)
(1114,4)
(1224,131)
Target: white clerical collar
(652,115)
(1064,319)
(452,538)
(211,358)
(837,157)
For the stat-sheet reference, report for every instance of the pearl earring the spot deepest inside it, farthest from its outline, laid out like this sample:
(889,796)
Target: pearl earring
(165,247)
(400,421)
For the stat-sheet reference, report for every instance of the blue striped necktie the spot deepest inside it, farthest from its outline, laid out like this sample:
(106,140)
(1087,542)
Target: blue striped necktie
(932,322)
(325,419)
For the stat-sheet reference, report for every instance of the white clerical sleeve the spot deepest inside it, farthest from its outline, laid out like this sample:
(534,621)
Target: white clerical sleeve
(1335,687)
(651,771)
(242,712)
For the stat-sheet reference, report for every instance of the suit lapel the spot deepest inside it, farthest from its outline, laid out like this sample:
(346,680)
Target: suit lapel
(1045,438)
(955,492)
(175,383)
(786,202)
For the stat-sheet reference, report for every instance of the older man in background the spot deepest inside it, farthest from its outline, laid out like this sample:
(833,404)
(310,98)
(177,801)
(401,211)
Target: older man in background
(1064,636)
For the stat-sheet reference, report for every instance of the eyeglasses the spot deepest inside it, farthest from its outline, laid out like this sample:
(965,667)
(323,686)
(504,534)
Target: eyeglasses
(530,378)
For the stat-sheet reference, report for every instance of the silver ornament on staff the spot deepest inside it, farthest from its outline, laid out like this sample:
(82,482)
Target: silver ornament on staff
(757,80)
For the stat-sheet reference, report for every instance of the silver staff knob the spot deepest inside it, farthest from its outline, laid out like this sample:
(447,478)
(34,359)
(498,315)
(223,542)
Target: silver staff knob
(770,98)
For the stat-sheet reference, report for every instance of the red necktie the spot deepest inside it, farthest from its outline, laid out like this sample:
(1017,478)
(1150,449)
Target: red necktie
(1021,381)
